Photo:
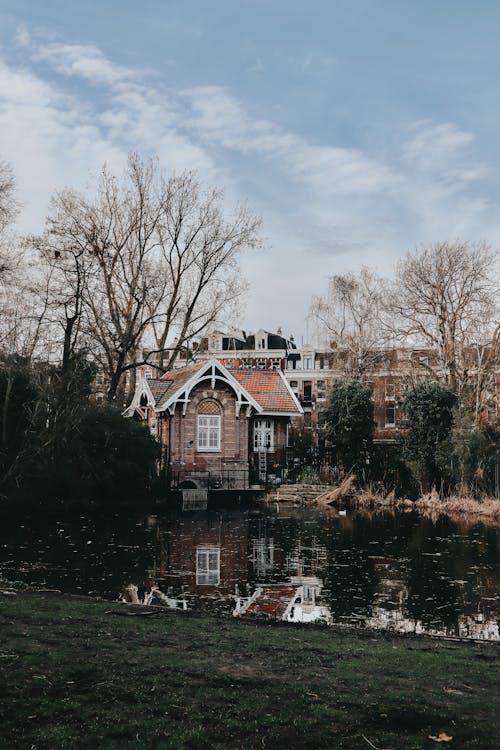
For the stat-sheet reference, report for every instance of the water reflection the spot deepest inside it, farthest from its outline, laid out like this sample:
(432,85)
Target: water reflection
(388,571)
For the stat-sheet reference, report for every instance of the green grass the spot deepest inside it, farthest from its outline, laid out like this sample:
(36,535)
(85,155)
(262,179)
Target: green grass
(74,674)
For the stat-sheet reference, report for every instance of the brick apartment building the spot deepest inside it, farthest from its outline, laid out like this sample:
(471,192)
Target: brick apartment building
(310,373)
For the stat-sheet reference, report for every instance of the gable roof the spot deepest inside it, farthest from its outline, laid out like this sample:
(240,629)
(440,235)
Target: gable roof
(266,391)
(181,383)
(159,389)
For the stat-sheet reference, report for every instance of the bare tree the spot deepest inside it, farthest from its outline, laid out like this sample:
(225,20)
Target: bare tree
(67,266)
(8,204)
(199,251)
(19,312)
(8,212)
(446,298)
(352,318)
(147,259)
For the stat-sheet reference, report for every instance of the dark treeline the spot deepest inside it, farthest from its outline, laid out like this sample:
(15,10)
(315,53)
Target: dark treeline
(59,450)
(130,271)
(442,447)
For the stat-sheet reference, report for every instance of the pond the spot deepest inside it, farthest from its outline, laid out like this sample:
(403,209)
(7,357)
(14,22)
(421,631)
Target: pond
(394,571)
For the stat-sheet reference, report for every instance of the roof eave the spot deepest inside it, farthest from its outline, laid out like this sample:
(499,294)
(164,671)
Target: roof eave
(271,413)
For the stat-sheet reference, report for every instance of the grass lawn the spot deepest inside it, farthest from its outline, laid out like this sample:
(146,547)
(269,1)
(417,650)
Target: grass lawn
(76,674)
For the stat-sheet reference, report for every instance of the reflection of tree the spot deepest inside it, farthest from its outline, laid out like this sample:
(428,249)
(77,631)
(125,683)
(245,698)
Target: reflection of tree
(433,596)
(84,555)
(351,583)
(440,583)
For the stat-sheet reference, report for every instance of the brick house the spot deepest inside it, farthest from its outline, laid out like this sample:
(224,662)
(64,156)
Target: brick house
(216,427)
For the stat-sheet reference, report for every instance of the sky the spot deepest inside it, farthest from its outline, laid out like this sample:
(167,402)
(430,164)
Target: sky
(357,130)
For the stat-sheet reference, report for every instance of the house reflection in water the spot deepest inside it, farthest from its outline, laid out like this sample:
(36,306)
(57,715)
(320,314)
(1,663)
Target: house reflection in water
(202,556)
(305,569)
(234,561)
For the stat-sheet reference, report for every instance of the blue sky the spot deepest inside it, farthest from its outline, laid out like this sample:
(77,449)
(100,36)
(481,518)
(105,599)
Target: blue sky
(358,130)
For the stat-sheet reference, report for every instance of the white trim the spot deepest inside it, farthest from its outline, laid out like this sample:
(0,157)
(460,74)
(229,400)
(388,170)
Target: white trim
(141,388)
(207,549)
(292,394)
(279,413)
(212,370)
(260,428)
(207,430)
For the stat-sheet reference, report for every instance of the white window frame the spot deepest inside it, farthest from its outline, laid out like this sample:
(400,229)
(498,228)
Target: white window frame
(263,435)
(208,433)
(307,362)
(207,565)
(392,406)
(262,555)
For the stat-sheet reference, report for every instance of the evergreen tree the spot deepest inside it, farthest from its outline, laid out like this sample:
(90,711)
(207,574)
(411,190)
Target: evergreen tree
(348,423)
(429,410)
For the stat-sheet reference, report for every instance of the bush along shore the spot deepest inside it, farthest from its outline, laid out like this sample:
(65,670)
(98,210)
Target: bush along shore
(344,494)
(81,673)
(432,503)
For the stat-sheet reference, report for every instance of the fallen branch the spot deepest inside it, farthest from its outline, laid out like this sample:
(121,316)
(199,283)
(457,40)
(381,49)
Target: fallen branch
(330,496)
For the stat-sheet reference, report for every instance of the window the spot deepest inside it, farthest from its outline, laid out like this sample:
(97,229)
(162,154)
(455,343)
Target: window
(390,391)
(306,363)
(262,555)
(263,435)
(276,364)
(148,374)
(307,419)
(320,388)
(208,433)
(390,416)
(261,364)
(207,566)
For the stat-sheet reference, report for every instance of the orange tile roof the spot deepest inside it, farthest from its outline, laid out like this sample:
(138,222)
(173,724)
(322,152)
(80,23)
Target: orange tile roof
(268,388)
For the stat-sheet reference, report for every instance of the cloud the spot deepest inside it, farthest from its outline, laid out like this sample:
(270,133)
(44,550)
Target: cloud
(343,205)
(23,37)
(218,117)
(85,61)
(441,148)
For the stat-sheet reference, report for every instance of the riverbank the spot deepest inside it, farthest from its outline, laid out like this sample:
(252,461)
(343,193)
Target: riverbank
(431,504)
(333,498)
(81,673)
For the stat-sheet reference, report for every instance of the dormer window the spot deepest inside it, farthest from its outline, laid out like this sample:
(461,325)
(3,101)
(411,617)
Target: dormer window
(148,374)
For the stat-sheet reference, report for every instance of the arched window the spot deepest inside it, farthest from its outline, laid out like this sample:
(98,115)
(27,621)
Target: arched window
(209,426)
